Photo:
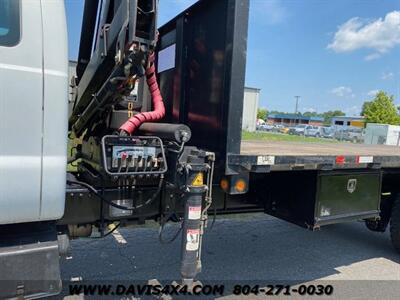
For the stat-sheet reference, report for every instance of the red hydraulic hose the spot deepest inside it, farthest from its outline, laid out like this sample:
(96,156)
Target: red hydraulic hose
(158,104)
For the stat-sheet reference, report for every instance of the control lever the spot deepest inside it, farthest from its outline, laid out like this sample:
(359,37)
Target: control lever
(130,156)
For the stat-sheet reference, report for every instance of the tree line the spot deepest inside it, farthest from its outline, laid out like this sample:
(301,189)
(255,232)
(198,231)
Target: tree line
(381,109)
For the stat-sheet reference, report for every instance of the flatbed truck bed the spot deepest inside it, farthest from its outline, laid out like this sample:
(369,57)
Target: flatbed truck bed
(305,148)
(261,156)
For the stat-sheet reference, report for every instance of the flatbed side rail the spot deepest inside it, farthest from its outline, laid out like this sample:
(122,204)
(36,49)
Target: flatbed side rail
(237,163)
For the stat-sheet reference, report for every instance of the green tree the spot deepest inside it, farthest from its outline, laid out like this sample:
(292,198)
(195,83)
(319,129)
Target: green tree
(277,112)
(381,110)
(262,113)
(311,114)
(365,107)
(330,114)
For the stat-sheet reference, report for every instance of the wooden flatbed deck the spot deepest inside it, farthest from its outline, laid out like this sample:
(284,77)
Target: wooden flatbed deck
(315,149)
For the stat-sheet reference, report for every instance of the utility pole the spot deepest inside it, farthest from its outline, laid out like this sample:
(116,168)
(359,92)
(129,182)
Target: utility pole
(297,104)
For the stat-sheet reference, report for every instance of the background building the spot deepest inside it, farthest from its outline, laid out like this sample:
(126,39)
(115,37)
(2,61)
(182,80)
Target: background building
(294,119)
(348,122)
(250,107)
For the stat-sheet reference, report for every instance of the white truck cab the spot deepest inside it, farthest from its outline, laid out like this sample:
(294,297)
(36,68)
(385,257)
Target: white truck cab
(33,110)
(33,144)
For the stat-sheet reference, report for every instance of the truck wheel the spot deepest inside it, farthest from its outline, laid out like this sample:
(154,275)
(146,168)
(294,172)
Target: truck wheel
(382,223)
(395,223)
(376,225)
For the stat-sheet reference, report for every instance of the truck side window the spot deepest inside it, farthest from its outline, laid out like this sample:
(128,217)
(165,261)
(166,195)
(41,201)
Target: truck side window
(10,30)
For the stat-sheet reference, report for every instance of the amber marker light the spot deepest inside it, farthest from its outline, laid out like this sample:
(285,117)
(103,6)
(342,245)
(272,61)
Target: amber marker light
(224,184)
(240,185)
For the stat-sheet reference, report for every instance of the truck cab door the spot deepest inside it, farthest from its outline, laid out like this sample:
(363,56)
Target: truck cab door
(21,113)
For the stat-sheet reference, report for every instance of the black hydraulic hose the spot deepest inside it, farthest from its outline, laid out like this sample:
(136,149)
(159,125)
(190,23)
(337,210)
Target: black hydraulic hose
(96,193)
(162,226)
(108,233)
(214,218)
(112,230)
(72,159)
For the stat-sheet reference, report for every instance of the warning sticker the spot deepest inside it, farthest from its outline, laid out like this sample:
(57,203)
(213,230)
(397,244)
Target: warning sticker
(194,212)
(265,160)
(365,159)
(192,239)
(198,180)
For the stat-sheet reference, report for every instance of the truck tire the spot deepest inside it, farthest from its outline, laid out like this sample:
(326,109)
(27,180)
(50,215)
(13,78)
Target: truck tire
(382,223)
(395,223)
(376,225)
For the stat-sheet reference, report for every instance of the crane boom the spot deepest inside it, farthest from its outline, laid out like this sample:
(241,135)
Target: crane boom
(126,34)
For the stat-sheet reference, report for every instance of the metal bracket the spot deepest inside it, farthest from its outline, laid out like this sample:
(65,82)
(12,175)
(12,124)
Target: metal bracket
(104,36)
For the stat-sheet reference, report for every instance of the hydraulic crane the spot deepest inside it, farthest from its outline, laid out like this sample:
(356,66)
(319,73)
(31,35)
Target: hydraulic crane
(125,165)
(121,148)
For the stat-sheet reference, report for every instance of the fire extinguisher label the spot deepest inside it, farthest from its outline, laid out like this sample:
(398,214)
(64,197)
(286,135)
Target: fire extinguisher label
(192,239)
(194,212)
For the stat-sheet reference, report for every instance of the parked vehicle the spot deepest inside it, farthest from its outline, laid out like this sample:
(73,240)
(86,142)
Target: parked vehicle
(284,130)
(339,134)
(298,130)
(277,127)
(266,127)
(327,132)
(382,134)
(354,135)
(313,131)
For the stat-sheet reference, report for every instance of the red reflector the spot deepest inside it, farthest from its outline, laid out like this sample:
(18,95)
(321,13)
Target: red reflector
(340,160)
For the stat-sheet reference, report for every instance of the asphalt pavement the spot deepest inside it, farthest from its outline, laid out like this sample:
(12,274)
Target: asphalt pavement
(251,249)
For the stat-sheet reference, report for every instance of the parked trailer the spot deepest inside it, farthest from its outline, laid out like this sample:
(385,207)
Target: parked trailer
(194,161)
(382,134)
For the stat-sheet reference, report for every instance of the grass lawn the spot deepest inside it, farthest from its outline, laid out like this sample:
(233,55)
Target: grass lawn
(269,136)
